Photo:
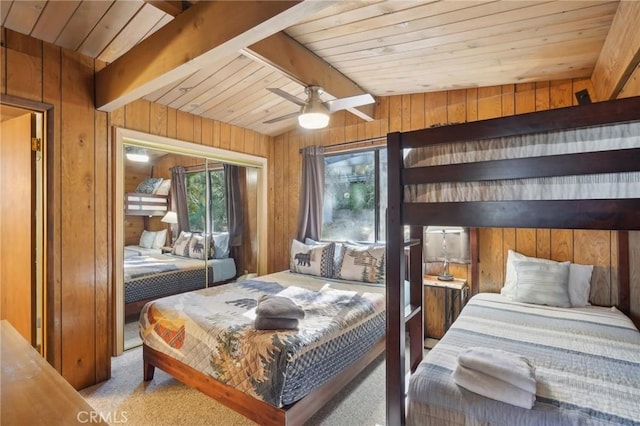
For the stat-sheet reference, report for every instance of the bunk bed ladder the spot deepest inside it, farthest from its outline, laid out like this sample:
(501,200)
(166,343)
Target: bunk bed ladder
(400,318)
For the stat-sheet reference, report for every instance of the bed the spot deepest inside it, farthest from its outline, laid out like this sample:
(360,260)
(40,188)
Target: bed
(415,199)
(579,355)
(207,339)
(155,275)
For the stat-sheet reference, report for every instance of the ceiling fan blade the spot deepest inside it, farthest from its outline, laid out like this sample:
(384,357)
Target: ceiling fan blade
(286,95)
(349,102)
(284,117)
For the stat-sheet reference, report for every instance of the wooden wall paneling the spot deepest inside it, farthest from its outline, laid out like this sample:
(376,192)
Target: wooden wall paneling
(78,222)
(405,113)
(561,94)
(158,119)
(197,129)
(51,79)
(381,111)
(271,205)
(216,134)
(236,138)
(525,98)
(138,115)
(295,163)
(543,243)
(418,111)
(103,243)
(561,245)
(542,96)
(492,257)
(435,109)
(489,102)
(632,86)
(395,113)
(172,123)
(24,76)
(207,132)
(225,136)
(184,126)
(594,248)
(117,117)
(526,241)
(508,99)
(456,106)
(249,142)
(276,194)
(472,104)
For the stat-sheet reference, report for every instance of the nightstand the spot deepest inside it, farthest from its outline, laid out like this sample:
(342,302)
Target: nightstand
(166,249)
(455,290)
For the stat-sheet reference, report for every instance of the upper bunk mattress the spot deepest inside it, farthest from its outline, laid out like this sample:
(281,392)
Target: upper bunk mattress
(587,366)
(212,331)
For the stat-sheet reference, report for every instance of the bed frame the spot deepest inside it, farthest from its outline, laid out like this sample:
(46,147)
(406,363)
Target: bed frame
(252,408)
(611,214)
(136,204)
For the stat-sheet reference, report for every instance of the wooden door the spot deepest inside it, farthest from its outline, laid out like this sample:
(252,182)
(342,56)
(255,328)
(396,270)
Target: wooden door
(17,213)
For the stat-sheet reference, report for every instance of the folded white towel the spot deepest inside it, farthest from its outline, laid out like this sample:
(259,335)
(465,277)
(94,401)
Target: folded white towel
(506,366)
(493,388)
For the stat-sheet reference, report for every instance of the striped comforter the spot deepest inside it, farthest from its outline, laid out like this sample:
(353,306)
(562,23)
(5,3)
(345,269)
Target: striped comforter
(587,363)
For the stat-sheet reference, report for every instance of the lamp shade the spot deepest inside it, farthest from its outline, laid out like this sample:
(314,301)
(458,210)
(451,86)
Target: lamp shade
(313,115)
(170,217)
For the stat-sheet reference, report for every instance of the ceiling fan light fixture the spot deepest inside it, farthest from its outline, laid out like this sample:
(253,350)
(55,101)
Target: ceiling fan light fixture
(313,115)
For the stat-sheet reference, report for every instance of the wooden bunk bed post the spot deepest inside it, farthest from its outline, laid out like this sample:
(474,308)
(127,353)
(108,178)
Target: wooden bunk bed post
(395,352)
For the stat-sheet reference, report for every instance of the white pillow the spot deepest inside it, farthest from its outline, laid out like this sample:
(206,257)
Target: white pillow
(363,263)
(510,278)
(542,283)
(181,246)
(161,239)
(147,239)
(580,284)
(312,259)
(221,244)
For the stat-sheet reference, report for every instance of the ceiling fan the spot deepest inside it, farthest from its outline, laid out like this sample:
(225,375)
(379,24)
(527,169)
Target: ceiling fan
(314,113)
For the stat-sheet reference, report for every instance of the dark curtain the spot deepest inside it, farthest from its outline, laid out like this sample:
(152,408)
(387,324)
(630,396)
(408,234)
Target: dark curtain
(179,197)
(235,210)
(311,193)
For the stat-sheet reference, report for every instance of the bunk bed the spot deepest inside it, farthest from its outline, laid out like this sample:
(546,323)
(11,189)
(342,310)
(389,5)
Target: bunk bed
(620,212)
(140,204)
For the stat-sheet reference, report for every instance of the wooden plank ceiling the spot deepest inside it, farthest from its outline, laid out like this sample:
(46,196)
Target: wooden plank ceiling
(165,52)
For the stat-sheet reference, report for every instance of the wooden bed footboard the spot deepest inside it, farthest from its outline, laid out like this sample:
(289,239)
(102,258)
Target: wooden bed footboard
(252,408)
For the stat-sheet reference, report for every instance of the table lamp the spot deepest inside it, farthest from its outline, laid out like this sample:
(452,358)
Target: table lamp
(445,275)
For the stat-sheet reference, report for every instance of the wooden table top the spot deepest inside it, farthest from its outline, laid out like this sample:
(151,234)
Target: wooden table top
(33,392)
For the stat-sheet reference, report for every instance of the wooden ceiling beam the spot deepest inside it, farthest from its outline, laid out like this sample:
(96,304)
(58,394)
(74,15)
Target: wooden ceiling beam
(189,43)
(284,54)
(171,7)
(620,54)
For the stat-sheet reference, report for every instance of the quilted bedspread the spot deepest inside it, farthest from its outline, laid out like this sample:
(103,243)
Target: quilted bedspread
(587,366)
(212,331)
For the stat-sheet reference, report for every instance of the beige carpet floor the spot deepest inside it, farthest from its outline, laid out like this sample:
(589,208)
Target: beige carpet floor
(127,399)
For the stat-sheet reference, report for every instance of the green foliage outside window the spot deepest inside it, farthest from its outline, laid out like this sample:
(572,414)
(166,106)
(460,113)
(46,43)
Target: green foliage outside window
(196,200)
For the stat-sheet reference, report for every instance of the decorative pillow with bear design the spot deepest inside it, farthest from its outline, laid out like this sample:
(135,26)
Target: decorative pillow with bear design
(315,259)
(181,246)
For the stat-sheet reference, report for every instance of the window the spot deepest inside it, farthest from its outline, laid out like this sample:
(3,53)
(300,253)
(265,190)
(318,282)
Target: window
(355,196)
(196,200)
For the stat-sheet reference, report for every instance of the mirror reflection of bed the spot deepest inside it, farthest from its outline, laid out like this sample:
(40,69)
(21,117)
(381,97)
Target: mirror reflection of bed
(177,237)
